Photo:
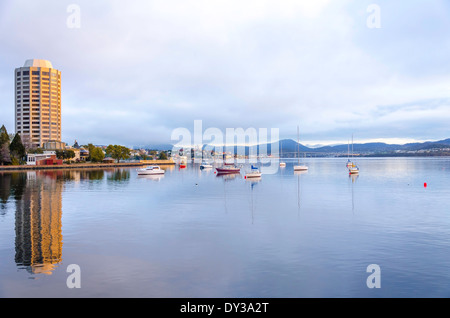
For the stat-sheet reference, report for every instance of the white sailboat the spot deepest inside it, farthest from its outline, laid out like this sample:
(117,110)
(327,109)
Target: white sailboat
(299,167)
(353,168)
(282,163)
(205,165)
(254,173)
(349,162)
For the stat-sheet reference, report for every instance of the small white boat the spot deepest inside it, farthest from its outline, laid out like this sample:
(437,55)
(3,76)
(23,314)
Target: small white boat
(300,168)
(254,173)
(150,170)
(353,170)
(205,165)
(282,164)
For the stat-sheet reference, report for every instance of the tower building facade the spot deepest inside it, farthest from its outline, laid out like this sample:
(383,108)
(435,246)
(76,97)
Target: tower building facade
(38,102)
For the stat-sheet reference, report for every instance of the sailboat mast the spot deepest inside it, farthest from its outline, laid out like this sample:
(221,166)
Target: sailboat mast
(352,146)
(298,145)
(348,149)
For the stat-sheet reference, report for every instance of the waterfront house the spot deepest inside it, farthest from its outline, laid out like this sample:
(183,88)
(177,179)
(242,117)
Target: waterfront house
(43,159)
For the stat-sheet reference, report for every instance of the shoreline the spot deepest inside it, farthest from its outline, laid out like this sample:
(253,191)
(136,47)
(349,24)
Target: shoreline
(86,165)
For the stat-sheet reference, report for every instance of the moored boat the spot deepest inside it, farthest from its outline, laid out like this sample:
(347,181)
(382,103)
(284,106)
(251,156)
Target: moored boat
(353,170)
(205,165)
(254,173)
(150,170)
(282,163)
(228,168)
(352,167)
(299,167)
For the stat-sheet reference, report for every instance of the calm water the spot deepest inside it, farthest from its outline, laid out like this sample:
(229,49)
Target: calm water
(191,233)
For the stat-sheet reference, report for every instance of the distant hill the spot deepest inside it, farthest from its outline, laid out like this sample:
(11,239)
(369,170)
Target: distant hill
(289,148)
(367,147)
(160,147)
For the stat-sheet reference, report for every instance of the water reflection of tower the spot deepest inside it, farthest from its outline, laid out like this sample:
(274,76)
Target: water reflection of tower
(38,223)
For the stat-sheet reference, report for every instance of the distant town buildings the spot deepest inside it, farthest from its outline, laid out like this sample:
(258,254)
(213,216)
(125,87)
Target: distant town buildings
(38,103)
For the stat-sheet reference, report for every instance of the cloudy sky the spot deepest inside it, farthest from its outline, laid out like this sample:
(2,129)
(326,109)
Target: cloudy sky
(133,71)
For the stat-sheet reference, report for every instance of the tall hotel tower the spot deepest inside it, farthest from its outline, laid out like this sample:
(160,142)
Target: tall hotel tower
(38,102)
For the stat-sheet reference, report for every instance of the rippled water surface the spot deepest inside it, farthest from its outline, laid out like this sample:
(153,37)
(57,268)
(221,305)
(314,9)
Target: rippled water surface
(192,233)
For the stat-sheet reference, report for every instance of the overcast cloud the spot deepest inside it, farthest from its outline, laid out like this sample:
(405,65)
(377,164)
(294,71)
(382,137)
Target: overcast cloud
(136,70)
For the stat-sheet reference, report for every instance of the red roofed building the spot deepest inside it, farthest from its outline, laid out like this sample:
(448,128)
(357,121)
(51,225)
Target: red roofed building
(48,158)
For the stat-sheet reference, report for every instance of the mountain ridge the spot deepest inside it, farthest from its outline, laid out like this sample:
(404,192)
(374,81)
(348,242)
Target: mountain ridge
(290,146)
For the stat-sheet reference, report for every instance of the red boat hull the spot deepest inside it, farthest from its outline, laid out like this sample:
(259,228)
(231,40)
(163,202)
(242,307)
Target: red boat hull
(227,171)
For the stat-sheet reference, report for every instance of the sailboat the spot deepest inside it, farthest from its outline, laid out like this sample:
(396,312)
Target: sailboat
(353,169)
(299,167)
(349,162)
(205,164)
(282,163)
(254,173)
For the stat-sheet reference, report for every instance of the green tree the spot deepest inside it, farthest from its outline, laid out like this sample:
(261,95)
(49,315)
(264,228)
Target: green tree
(96,154)
(143,155)
(162,155)
(118,152)
(4,137)
(5,155)
(36,150)
(65,154)
(17,150)
(90,148)
(69,154)
(59,154)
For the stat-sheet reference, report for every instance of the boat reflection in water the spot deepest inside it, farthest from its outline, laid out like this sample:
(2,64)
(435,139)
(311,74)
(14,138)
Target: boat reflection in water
(253,182)
(228,176)
(153,177)
(353,177)
(298,173)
